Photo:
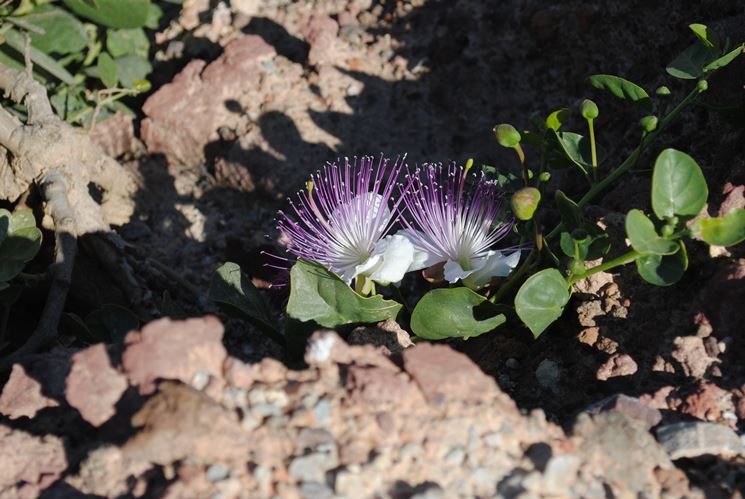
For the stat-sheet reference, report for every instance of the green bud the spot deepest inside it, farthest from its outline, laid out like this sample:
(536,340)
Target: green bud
(663,91)
(525,202)
(702,85)
(530,174)
(544,177)
(576,267)
(141,86)
(649,123)
(589,110)
(469,164)
(507,135)
(668,230)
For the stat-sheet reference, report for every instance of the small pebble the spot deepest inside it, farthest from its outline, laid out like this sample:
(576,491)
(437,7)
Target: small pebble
(217,472)
(512,363)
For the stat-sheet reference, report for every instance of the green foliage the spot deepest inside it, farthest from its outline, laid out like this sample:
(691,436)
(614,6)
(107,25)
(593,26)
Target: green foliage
(320,296)
(663,270)
(703,57)
(643,236)
(727,230)
(20,241)
(541,300)
(76,59)
(234,292)
(454,313)
(623,89)
(678,185)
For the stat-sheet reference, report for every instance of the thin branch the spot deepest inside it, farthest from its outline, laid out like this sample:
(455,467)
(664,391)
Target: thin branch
(27,55)
(54,190)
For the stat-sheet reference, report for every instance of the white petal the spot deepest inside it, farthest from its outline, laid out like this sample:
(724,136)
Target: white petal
(389,261)
(454,272)
(493,264)
(422,257)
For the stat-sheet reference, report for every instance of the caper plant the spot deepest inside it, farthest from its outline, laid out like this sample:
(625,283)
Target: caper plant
(362,224)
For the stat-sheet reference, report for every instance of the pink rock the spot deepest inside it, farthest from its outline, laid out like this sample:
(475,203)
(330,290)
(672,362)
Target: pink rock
(444,374)
(35,464)
(167,349)
(691,353)
(735,199)
(320,33)
(617,365)
(184,115)
(22,395)
(93,386)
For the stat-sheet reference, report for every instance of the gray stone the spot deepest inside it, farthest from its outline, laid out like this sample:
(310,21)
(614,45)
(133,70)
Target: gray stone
(217,472)
(687,440)
(315,490)
(312,467)
(548,375)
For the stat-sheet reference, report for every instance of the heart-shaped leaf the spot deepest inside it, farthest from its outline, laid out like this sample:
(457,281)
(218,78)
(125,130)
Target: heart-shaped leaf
(454,313)
(705,35)
(106,69)
(678,185)
(556,119)
(623,89)
(319,295)
(571,213)
(727,230)
(232,290)
(663,270)
(643,236)
(541,300)
(690,64)
(573,149)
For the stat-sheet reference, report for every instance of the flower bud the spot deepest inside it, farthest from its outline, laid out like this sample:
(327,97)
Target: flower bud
(507,135)
(589,110)
(141,86)
(576,267)
(649,123)
(663,91)
(544,177)
(525,201)
(702,85)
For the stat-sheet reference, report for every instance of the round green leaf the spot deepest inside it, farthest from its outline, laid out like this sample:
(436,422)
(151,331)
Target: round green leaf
(663,270)
(107,70)
(643,236)
(112,13)
(571,213)
(21,219)
(541,300)
(690,64)
(132,69)
(120,42)
(623,89)
(63,33)
(319,295)
(678,185)
(722,231)
(453,313)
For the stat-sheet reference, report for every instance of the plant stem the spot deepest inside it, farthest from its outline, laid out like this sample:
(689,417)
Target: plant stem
(616,262)
(593,149)
(523,166)
(507,286)
(631,160)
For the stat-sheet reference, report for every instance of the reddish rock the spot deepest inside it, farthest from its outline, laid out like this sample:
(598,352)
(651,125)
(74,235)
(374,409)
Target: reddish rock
(320,33)
(690,352)
(167,349)
(184,115)
(29,463)
(22,395)
(616,365)
(182,423)
(444,374)
(93,386)
(238,374)
(327,348)
(269,371)
(386,334)
(707,402)
(735,199)
(723,296)
(377,385)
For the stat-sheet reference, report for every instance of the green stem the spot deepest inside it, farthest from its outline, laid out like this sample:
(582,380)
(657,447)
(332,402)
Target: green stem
(593,150)
(515,277)
(616,262)
(523,166)
(631,160)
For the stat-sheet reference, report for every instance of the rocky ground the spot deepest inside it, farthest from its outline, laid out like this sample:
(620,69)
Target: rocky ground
(639,392)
